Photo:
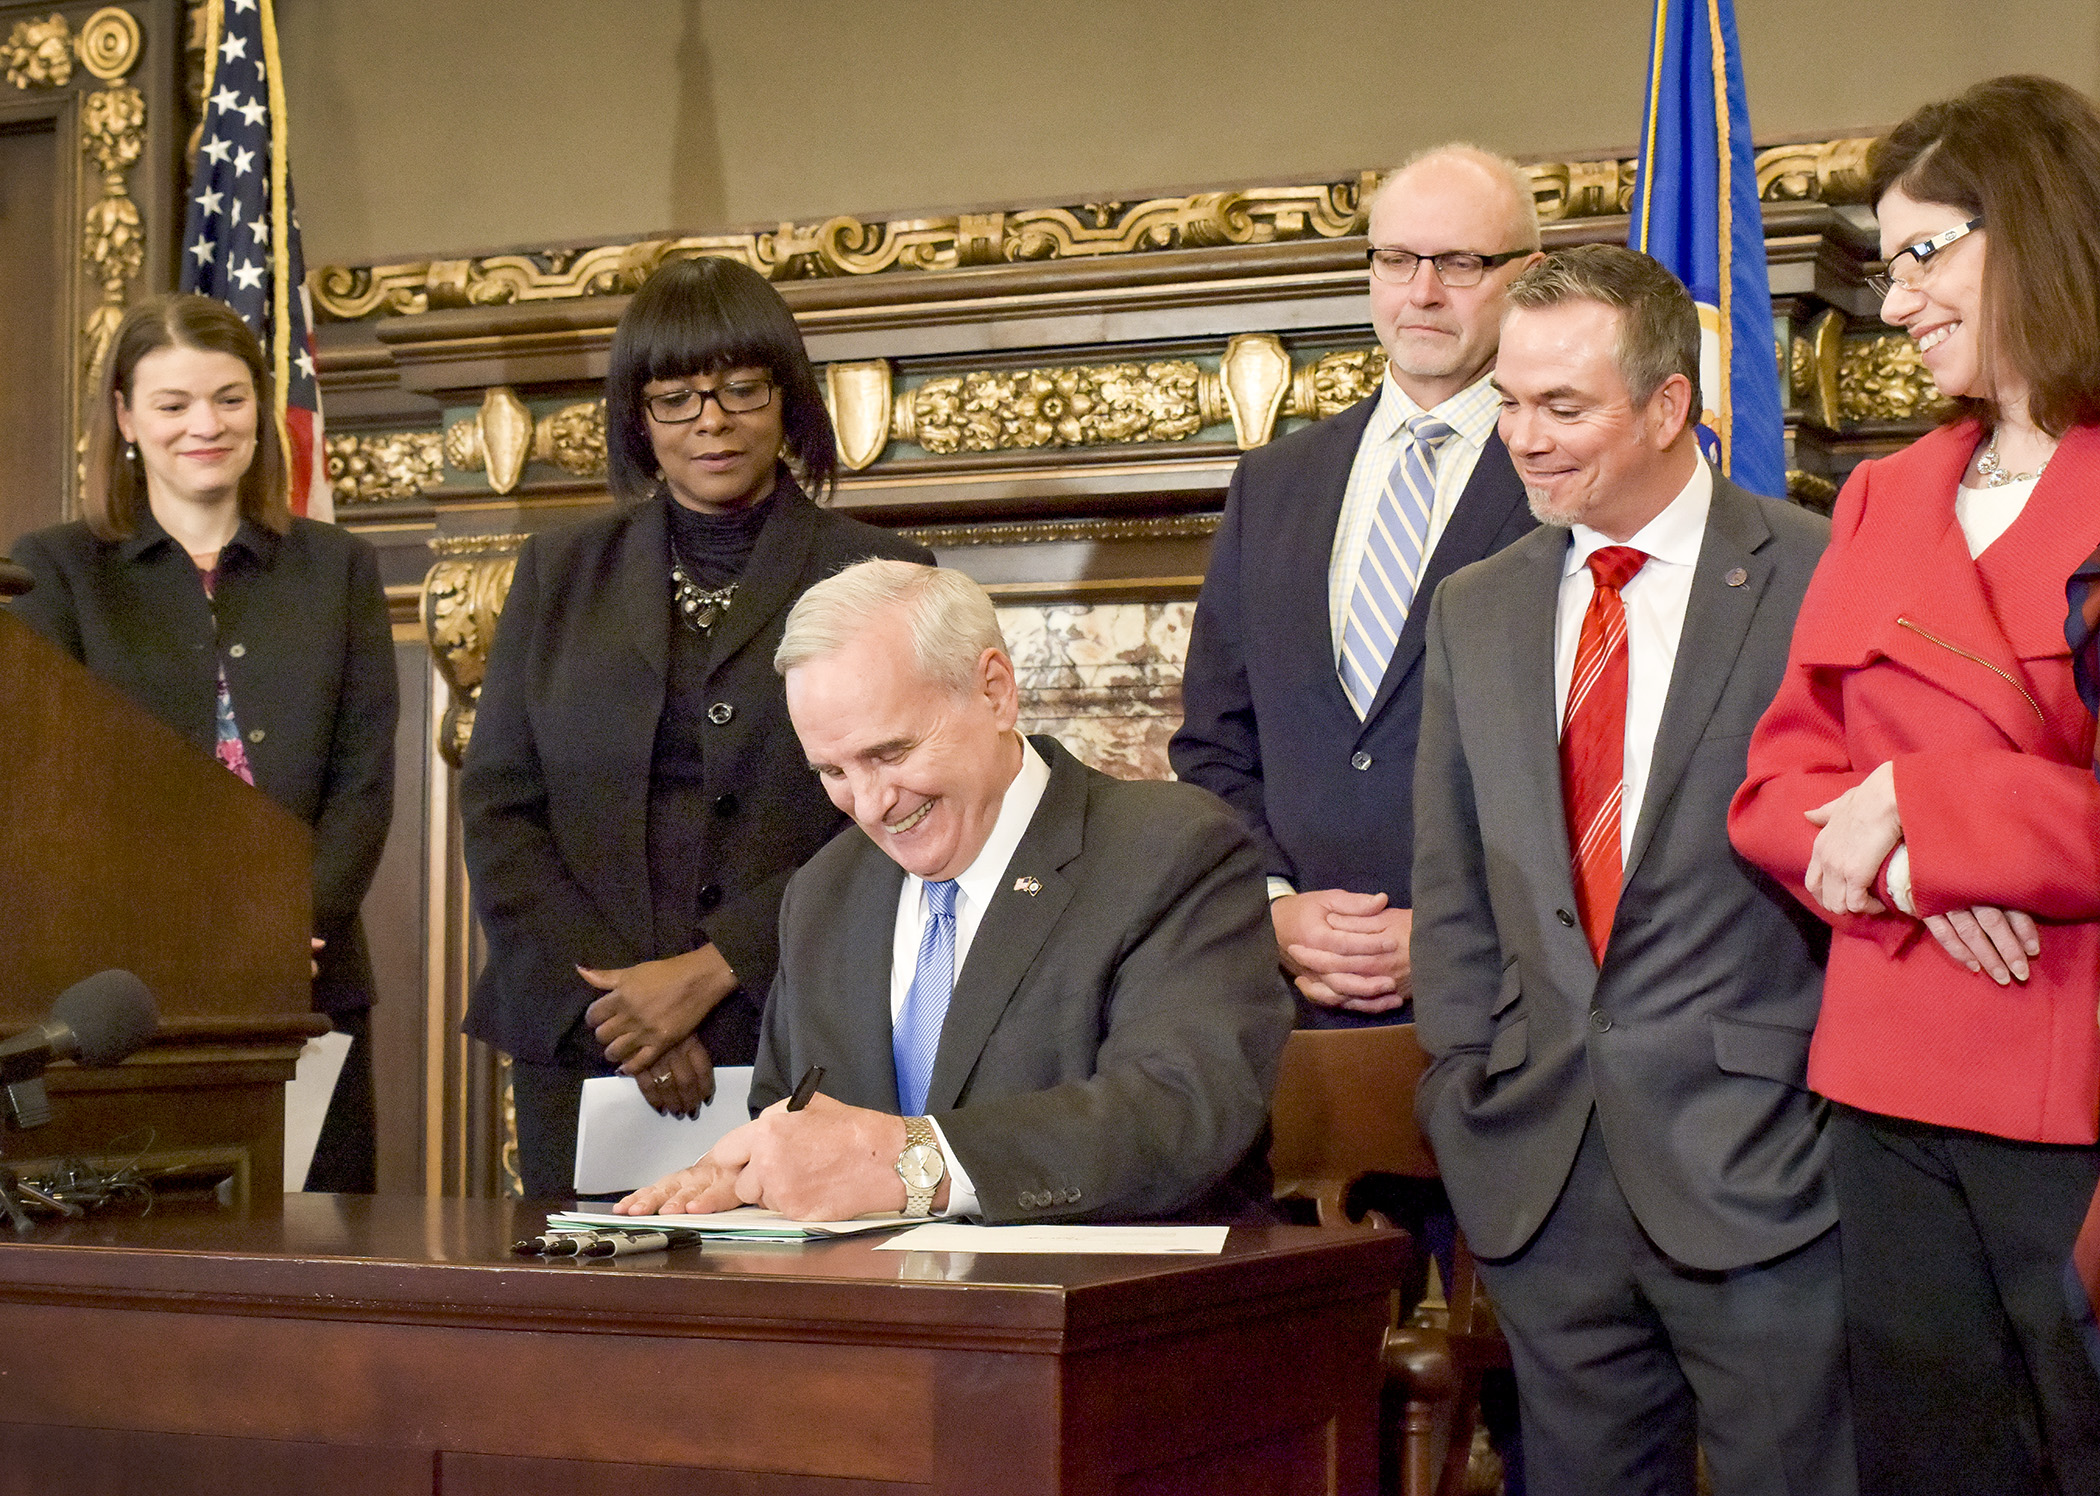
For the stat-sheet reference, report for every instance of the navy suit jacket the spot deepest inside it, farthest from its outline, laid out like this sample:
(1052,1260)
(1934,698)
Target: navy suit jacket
(1266,726)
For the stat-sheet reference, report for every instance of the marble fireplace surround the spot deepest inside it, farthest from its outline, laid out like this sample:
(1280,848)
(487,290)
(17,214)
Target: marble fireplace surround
(1104,679)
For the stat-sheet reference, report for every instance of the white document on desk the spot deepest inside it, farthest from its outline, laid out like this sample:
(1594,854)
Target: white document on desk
(623,1143)
(306,1098)
(953,1236)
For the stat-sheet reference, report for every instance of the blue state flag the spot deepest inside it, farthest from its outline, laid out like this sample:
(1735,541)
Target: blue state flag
(1695,209)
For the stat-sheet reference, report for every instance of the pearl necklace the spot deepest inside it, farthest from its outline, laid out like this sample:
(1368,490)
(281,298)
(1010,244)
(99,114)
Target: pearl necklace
(1993,472)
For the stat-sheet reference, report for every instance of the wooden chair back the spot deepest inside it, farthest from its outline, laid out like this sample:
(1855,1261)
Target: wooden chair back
(1345,1107)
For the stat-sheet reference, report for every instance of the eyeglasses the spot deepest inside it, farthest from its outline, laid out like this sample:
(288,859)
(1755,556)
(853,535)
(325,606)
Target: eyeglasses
(1919,254)
(1456,268)
(677,407)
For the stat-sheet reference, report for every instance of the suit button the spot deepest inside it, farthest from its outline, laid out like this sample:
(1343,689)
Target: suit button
(1359,760)
(710,895)
(1599,1021)
(720,713)
(256,735)
(1565,918)
(1027,1199)
(1071,1197)
(238,650)
(725,805)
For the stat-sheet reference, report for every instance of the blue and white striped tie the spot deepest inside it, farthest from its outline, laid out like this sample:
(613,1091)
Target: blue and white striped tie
(917,1034)
(1392,564)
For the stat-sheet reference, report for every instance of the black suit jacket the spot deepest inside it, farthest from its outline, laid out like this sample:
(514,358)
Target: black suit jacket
(1265,725)
(299,626)
(1113,1035)
(554,792)
(1691,1044)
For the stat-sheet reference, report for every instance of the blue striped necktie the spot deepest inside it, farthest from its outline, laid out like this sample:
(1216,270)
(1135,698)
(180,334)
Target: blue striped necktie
(917,1034)
(1392,565)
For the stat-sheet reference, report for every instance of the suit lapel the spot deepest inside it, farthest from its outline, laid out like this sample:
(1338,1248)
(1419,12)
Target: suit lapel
(1014,927)
(1717,620)
(858,988)
(642,575)
(1490,496)
(1531,737)
(772,578)
(1305,537)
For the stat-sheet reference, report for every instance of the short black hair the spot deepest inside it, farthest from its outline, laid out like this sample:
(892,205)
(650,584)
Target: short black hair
(701,316)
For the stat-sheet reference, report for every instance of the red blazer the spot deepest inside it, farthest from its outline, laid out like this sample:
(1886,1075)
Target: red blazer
(1956,670)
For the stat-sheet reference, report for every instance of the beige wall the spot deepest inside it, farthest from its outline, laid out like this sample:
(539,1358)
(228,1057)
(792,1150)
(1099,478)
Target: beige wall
(449,126)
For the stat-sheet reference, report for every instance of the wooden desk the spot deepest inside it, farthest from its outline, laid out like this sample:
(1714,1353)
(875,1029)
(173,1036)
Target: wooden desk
(386,1345)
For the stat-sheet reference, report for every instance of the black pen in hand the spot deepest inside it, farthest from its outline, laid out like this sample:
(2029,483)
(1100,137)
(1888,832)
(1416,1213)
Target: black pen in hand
(806,1088)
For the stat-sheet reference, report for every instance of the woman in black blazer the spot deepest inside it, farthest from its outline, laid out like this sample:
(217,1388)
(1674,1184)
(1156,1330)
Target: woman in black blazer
(260,636)
(634,798)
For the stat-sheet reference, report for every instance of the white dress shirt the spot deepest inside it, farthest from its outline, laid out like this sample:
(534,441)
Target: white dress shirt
(1471,416)
(975,886)
(1655,600)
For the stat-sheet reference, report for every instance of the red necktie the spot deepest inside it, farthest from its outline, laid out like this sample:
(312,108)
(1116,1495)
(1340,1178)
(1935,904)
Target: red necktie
(1593,744)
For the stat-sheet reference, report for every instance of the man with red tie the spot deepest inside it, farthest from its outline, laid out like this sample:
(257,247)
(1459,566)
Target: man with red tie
(1617,1007)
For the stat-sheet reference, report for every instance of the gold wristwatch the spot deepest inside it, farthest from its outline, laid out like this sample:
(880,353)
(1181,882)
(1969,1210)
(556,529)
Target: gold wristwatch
(920,1166)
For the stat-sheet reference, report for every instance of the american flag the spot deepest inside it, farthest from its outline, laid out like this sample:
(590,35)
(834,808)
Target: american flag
(2082,633)
(241,242)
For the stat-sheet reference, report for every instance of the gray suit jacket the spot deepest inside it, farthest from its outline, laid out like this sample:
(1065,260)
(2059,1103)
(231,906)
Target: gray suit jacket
(1113,1036)
(1692,1042)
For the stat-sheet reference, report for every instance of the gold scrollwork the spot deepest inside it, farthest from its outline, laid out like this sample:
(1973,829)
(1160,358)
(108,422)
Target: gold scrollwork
(369,468)
(1333,382)
(1830,171)
(463,595)
(39,54)
(498,437)
(1883,379)
(1079,405)
(1056,531)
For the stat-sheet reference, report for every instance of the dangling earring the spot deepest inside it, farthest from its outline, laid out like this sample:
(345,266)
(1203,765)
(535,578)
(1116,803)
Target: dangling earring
(131,452)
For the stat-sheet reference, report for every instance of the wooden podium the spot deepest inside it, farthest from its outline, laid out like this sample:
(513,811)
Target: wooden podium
(392,1346)
(122,845)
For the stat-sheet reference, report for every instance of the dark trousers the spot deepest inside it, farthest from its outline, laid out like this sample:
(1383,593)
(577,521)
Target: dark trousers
(1967,1372)
(1627,1361)
(546,1098)
(346,1157)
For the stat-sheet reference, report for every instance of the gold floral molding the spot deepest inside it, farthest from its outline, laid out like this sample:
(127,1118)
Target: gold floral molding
(502,436)
(368,468)
(1843,381)
(1829,171)
(39,54)
(1056,531)
(463,596)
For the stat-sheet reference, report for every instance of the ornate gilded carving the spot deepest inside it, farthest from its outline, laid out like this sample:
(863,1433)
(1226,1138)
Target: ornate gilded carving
(463,595)
(112,134)
(1048,531)
(573,439)
(1815,363)
(860,399)
(1882,379)
(39,54)
(1256,376)
(498,438)
(369,468)
(109,43)
(1334,382)
(1811,490)
(1830,171)
(1079,405)
(1581,189)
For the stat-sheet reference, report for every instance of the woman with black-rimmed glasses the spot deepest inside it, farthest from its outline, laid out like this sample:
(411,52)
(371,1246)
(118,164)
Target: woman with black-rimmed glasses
(1924,782)
(634,798)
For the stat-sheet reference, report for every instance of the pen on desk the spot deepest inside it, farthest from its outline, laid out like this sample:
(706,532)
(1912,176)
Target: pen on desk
(571,1243)
(628,1243)
(806,1088)
(533,1246)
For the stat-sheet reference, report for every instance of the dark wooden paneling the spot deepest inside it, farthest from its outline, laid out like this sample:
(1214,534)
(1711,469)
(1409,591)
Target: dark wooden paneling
(40,1458)
(34,345)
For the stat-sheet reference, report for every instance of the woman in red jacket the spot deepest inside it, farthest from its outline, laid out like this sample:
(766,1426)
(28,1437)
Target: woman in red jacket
(1924,782)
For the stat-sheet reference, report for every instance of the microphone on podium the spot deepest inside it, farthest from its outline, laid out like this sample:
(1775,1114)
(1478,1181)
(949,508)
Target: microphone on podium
(95,1022)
